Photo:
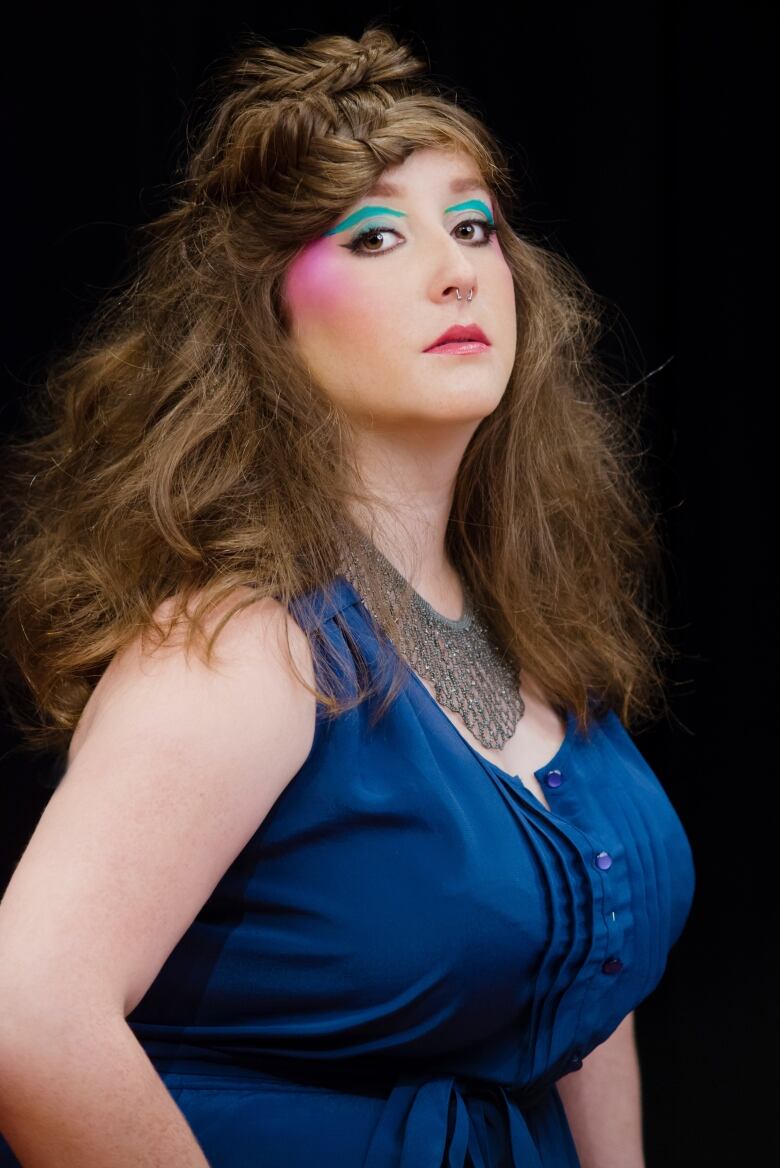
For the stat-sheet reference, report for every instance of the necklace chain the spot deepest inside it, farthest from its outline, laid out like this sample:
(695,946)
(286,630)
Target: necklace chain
(459,657)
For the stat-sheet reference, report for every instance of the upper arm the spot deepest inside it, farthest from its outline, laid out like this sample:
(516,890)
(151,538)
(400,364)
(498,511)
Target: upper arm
(174,768)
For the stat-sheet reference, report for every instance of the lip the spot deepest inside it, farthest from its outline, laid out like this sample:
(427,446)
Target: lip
(459,332)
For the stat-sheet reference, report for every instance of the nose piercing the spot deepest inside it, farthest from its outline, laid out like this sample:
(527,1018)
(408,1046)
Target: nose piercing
(471,291)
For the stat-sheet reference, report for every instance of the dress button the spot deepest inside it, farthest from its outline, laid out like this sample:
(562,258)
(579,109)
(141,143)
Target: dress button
(603,860)
(553,778)
(612,965)
(575,1062)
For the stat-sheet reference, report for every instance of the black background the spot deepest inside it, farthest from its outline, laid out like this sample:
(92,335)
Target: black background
(640,148)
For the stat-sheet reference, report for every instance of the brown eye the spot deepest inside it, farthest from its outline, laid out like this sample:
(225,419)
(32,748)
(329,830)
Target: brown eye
(367,234)
(375,231)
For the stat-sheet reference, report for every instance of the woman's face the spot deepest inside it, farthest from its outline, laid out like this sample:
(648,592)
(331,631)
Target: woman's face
(362,311)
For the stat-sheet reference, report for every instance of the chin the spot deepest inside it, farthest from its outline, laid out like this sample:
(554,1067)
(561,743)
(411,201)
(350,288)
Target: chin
(463,413)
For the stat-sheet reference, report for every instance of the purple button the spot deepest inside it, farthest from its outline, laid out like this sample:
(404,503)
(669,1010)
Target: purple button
(603,860)
(553,778)
(612,965)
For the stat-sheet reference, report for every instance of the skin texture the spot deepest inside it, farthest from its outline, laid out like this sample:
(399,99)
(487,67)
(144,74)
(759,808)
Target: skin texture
(362,321)
(603,1103)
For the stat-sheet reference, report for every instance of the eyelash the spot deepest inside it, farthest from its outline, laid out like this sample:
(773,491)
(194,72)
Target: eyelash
(354,245)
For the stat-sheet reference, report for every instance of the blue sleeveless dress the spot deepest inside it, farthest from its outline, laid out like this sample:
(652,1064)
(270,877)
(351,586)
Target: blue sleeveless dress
(411,949)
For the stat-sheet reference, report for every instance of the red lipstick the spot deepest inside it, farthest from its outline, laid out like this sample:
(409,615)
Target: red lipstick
(460,338)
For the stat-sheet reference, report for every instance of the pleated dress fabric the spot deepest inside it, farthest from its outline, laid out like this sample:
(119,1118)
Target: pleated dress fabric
(411,949)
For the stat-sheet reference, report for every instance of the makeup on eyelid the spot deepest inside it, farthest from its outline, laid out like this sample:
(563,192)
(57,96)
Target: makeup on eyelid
(371,211)
(313,279)
(366,334)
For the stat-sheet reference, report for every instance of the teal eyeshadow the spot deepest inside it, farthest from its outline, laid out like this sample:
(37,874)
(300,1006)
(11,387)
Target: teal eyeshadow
(372,212)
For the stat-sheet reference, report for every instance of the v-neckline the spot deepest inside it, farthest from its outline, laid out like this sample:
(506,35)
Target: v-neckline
(515,780)
(488,762)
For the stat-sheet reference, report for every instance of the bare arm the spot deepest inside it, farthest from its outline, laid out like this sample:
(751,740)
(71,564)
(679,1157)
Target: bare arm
(88,1097)
(172,768)
(603,1103)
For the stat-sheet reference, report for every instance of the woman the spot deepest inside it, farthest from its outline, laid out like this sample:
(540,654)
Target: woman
(368,889)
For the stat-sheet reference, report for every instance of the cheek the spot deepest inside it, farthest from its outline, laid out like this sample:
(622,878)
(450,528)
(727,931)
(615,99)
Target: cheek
(321,291)
(506,297)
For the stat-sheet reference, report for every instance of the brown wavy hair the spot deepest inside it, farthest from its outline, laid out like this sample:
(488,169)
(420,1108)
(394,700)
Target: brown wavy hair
(179,449)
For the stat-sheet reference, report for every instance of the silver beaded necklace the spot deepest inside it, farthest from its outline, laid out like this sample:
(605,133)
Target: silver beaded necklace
(458,657)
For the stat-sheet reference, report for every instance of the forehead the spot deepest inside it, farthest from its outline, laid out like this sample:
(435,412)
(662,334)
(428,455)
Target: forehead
(457,185)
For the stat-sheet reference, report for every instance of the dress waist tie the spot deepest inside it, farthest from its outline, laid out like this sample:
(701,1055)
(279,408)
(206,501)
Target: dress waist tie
(413,1131)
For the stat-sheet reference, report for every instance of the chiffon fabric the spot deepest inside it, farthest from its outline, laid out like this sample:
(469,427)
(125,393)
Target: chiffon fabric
(412,950)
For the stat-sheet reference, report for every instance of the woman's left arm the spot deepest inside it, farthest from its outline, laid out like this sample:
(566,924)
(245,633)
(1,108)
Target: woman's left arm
(603,1103)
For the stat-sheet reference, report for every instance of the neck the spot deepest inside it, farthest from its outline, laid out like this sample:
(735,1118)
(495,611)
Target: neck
(413,486)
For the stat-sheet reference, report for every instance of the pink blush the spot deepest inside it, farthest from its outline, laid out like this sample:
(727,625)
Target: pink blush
(313,280)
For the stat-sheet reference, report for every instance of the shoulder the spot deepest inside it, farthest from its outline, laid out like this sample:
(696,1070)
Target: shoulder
(250,658)
(174,765)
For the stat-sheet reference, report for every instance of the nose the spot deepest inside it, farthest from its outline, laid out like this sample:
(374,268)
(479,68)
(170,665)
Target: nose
(461,288)
(463,284)
(455,275)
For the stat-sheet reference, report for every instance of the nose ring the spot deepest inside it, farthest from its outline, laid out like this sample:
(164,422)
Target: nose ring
(471,292)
